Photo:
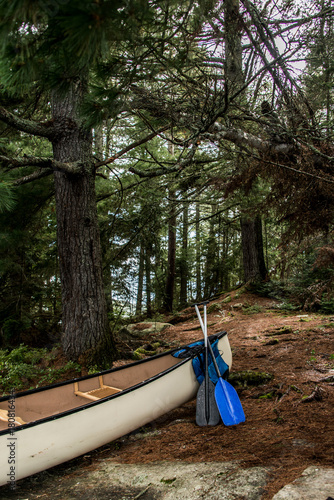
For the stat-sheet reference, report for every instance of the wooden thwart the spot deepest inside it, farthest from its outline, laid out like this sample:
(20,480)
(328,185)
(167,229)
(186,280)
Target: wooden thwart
(4,417)
(101,392)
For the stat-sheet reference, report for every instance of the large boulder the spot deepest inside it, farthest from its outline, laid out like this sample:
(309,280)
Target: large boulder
(139,330)
(315,483)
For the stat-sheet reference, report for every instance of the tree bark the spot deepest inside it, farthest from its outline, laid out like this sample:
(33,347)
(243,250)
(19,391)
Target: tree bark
(198,256)
(233,47)
(169,291)
(210,271)
(184,259)
(251,229)
(223,256)
(148,283)
(86,333)
(140,280)
(252,250)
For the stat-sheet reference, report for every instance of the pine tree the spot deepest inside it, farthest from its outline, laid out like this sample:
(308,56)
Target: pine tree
(68,67)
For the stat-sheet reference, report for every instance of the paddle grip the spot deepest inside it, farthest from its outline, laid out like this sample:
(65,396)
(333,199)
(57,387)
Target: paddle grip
(204,303)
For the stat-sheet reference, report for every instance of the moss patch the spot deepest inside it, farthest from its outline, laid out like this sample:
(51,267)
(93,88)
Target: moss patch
(249,378)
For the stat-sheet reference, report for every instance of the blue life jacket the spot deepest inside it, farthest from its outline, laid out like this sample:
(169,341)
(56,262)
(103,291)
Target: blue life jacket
(197,350)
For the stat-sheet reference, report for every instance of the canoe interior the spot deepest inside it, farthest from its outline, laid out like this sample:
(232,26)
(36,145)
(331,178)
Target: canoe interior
(47,402)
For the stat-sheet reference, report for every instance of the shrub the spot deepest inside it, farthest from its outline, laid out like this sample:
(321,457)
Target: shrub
(21,368)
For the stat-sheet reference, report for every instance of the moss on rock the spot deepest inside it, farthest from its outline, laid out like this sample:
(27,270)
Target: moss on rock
(249,378)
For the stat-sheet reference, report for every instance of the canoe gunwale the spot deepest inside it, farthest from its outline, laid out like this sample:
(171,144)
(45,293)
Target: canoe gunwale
(91,404)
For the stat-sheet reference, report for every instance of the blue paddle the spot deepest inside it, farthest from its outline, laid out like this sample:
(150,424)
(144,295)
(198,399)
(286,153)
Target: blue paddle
(226,396)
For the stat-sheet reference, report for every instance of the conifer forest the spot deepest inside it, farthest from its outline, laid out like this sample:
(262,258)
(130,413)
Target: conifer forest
(155,153)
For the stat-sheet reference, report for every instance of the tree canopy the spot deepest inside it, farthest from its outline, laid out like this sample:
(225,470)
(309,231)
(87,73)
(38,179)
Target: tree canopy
(158,110)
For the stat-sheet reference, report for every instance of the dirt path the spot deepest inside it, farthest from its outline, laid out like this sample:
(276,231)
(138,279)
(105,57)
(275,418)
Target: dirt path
(289,418)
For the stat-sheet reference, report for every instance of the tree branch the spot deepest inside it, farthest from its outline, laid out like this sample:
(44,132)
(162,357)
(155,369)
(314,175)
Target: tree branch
(42,163)
(39,174)
(242,139)
(179,165)
(28,126)
(131,146)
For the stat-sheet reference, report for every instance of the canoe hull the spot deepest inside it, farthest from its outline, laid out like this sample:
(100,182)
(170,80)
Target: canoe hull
(52,441)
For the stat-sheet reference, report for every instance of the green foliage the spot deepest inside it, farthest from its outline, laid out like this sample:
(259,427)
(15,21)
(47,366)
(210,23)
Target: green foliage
(273,288)
(53,375)
(29,288)
(23,354)
(251,309)
(326,305)
(7,197)
(111,45)
(12,329)
(268,395)
(249,378)
(168,481)
(22,367)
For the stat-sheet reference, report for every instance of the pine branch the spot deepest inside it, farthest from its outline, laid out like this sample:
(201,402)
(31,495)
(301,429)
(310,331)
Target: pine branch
(242,139)
(42,163)
(39,174)
(28,126)
(131,146)
(179,165)
(268,39)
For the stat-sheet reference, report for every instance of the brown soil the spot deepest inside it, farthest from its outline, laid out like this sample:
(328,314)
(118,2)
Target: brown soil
(289,419)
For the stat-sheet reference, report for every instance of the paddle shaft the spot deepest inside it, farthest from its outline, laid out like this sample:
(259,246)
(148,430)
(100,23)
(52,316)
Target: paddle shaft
(206,373)
(214,361)
(207,410)
(204,327)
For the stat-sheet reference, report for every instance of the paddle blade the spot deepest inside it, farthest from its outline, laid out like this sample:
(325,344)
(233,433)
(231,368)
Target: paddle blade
(207,413)
(228,403)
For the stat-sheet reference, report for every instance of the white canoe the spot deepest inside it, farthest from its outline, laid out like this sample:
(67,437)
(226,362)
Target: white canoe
(53,424)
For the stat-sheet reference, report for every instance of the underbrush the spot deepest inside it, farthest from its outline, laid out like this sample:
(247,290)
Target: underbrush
(317,296)
(25,367)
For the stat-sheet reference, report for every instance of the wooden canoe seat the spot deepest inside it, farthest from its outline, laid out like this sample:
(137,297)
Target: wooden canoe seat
(101,392)
(4,417)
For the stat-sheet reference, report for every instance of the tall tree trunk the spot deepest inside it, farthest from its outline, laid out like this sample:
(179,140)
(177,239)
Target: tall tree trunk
(210,272)
(233,47)
(140,280)
(225,283)
(251,228)
(252,250)
(198,256)
(148,283)
(184,259)
(86,332)
(169,291)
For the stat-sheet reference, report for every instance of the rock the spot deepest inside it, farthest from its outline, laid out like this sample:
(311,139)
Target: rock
(227,299)
(214,308)
(315,483)
(137,356)
(249,378)
(184,481)
(240,292)
(157,481)
(138,330)
(282,330)
(142,352)
(239,305)
(272,342)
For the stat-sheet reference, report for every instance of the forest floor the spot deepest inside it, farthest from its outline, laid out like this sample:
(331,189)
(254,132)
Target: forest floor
(289,417)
